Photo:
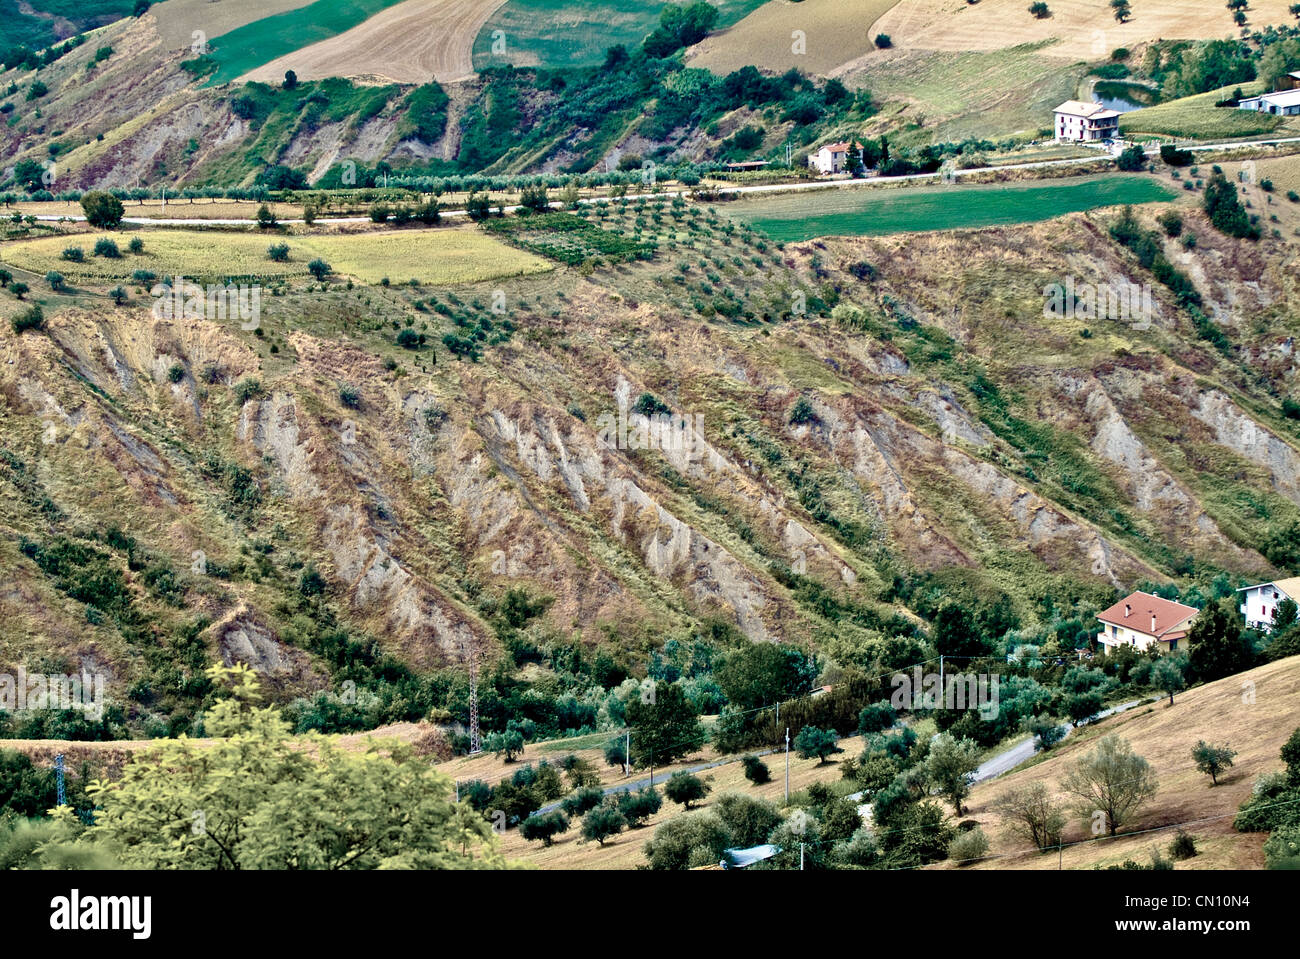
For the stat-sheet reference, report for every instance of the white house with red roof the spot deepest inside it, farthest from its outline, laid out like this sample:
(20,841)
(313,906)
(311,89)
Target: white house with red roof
(832,158)
(1142,619)
(1259,603)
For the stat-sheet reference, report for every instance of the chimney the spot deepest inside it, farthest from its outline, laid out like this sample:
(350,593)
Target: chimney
(1153,621)
(1128,609)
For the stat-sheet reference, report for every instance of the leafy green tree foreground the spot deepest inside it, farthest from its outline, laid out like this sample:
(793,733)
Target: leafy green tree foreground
(259,798)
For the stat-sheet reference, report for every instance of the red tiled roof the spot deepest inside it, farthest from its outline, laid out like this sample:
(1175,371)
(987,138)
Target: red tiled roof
(1135,611)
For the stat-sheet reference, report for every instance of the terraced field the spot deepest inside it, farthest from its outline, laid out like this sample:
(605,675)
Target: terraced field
(913,210)
(445,256)
(560,33)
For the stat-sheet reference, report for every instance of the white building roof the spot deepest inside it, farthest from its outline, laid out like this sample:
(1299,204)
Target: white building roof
(1288,587)
(1283,98)
(1089,111)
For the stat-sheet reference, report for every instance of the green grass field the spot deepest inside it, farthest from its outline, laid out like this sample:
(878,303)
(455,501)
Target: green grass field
(248,47)
(1198,117)
(866,212)
(560,33)
(442,256)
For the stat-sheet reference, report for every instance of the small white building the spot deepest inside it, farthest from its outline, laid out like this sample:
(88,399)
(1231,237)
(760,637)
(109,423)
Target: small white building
(1259,603)
(1142,619)
(832,158)
(1282,103)
(1079,122)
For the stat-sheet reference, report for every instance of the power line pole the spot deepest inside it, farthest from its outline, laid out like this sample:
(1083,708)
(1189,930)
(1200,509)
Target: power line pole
(627,754)
(787,763)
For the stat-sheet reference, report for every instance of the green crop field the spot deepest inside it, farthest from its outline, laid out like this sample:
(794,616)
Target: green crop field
(560,33)
(567,238)
(1198,117)
(866,212)
(248,47)
(441,256)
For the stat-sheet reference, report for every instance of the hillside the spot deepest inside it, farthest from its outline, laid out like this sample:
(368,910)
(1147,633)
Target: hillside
(1254,711)
(952,435)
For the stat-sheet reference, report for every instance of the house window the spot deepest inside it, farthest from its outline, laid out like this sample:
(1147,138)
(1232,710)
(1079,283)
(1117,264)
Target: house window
(1173,645)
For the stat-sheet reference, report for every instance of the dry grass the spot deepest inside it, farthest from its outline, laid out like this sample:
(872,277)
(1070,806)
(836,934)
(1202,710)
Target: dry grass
(1086,29)
(450,255)
(412,42)
(837,31)
(198,209)
(1165,735)
(627,849)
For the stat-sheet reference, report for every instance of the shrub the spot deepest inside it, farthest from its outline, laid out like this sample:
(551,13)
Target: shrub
(176,373)
(247,388)
(684,789)
(103,210)
(639,806)
(118,295)
(583,800)
(602,822)
(408,339)
(18,288)
(74,254)
(319,269)
(544,827)
(697,839)
(1282,848)
(802,412)
(1040,10)
(756,770)
(883,41)
(279,252)
(55,279)
(30,319)
(1132,160)
(1170,222)
(876,718)
(968,847)
(136,245)
(106,247)
(1183,846)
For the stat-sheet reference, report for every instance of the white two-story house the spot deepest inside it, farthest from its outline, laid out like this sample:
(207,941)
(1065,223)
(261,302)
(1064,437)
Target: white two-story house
(1085,122)
(1259,603)
(1141,620)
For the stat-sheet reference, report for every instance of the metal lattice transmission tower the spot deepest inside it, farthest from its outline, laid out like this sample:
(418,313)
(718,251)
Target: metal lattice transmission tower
(475,743)
(58,772)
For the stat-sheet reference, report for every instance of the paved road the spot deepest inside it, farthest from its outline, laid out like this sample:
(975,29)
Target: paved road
(768,188)
(1013,757)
